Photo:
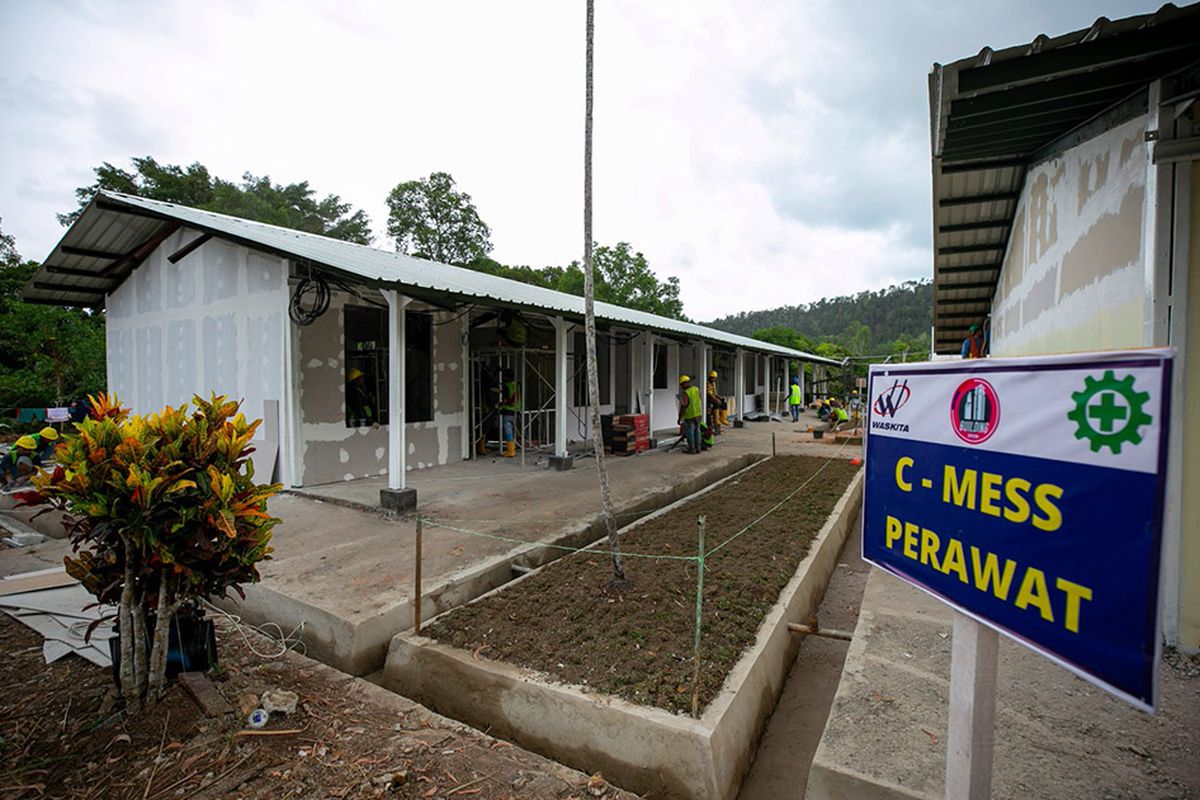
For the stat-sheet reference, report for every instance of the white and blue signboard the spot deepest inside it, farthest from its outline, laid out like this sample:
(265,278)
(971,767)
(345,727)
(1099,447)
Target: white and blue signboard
(1028,494)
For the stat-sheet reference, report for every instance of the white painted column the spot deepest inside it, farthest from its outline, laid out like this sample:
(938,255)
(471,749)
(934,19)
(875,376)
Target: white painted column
(739,380)
(650,379)
(703,381)
(397,456)
(561,330)
(292,438)
(767,382)
(468,429)
(787,382)
(800,365)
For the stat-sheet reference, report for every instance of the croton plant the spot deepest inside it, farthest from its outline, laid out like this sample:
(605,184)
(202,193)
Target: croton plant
(165,512)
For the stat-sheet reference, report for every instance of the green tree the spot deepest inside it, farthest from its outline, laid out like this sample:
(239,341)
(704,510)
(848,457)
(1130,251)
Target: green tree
(48,354)
(624,278)
(294,205)
(429,218)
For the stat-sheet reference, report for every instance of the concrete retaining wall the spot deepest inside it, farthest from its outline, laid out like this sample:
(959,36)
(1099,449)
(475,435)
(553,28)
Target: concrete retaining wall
(360,645)
(640,748)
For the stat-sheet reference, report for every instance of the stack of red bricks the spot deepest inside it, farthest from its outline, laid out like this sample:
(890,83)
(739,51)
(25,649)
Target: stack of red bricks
(630,434)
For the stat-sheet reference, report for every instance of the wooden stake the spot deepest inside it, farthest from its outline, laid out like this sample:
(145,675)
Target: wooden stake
(972,730)
(417,583)
(699,608)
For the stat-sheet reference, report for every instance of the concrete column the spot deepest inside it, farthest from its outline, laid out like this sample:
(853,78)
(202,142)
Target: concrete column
(397,497)
(703,380)
(562,329)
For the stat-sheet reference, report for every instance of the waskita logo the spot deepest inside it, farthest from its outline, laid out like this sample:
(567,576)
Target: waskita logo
(888,404)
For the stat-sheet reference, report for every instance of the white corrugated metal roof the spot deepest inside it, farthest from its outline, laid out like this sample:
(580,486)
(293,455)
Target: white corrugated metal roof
(381,266)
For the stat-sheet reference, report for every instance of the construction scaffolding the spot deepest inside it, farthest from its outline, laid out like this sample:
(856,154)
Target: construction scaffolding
(533,370)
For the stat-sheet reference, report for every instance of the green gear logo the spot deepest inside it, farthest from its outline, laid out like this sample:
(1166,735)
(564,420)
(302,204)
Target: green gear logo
(1108,412)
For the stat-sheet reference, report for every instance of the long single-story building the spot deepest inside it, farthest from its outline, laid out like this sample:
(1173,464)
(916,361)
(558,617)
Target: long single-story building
(198,302)
(1066,209)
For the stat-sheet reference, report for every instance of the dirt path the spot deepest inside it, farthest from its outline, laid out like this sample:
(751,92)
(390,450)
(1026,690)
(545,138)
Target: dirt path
(780,769)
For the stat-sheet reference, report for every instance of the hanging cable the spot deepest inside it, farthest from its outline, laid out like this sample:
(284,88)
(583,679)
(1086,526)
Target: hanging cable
(310,299)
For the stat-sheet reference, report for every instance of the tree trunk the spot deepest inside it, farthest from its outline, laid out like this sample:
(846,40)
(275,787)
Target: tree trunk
(165,615)
(140,648)
(130,688)
(589,293)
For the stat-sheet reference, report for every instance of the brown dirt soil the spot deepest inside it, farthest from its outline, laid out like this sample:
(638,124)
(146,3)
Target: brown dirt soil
(60,737)
(637,645)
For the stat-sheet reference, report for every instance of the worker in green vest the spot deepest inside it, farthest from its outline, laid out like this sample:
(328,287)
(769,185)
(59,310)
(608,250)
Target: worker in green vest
(509,407)
(690,411)
(794,399)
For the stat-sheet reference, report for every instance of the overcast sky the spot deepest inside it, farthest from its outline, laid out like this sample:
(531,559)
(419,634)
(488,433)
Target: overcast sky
(766,153)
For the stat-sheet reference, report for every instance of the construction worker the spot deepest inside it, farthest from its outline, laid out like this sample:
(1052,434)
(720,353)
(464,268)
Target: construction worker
(46,440)
(973,345)
(509,407)
(716,403)
(360,402)
(691,413)
(795,401)
(19,462)
(837,415)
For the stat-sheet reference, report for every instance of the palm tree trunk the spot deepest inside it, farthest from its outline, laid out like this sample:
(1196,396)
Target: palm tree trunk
(589,313)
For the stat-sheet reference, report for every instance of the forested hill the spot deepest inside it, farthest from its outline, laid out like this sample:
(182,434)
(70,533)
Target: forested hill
(903,311)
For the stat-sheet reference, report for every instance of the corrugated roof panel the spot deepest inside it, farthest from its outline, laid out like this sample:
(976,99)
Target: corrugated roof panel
(124,233)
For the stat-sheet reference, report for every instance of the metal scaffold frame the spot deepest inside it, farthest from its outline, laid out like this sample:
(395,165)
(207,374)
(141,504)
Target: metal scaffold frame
(535,421)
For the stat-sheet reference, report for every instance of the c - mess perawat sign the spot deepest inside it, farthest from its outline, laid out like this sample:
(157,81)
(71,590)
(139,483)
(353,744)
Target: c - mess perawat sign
(1028,493)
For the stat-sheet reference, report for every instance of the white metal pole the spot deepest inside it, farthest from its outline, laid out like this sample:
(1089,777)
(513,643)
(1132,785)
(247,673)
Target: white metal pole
(787,382)
(649,373)
(396,351)
(561,328)
(468,426)
(704,382)
(972,729)
(739,379)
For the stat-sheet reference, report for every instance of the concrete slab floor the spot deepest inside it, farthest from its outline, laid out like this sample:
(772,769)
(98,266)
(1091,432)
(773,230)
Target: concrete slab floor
(1057,736)
(352,562)
(348,573)
(785,752)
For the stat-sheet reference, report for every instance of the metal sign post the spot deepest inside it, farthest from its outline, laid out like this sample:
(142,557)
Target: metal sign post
(972,730)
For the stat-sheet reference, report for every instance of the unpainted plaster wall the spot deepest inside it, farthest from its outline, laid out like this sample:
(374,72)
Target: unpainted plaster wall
(214,322)
(1073,277)
(333,452)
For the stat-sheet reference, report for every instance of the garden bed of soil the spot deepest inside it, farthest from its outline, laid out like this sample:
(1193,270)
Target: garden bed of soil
(62,735)
(637,645)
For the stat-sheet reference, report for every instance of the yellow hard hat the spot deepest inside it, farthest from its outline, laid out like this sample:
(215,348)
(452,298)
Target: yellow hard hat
(712,374)
(48,433)
(354,374)
(27,443)
(683,379)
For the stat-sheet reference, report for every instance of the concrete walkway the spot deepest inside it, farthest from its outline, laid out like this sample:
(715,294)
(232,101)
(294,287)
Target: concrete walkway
(785,752)
(1056,735)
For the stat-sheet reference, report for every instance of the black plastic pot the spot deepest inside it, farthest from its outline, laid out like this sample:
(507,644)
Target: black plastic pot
(191,647)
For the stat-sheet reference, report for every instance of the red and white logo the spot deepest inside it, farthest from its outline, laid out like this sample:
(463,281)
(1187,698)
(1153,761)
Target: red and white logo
(974,411)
